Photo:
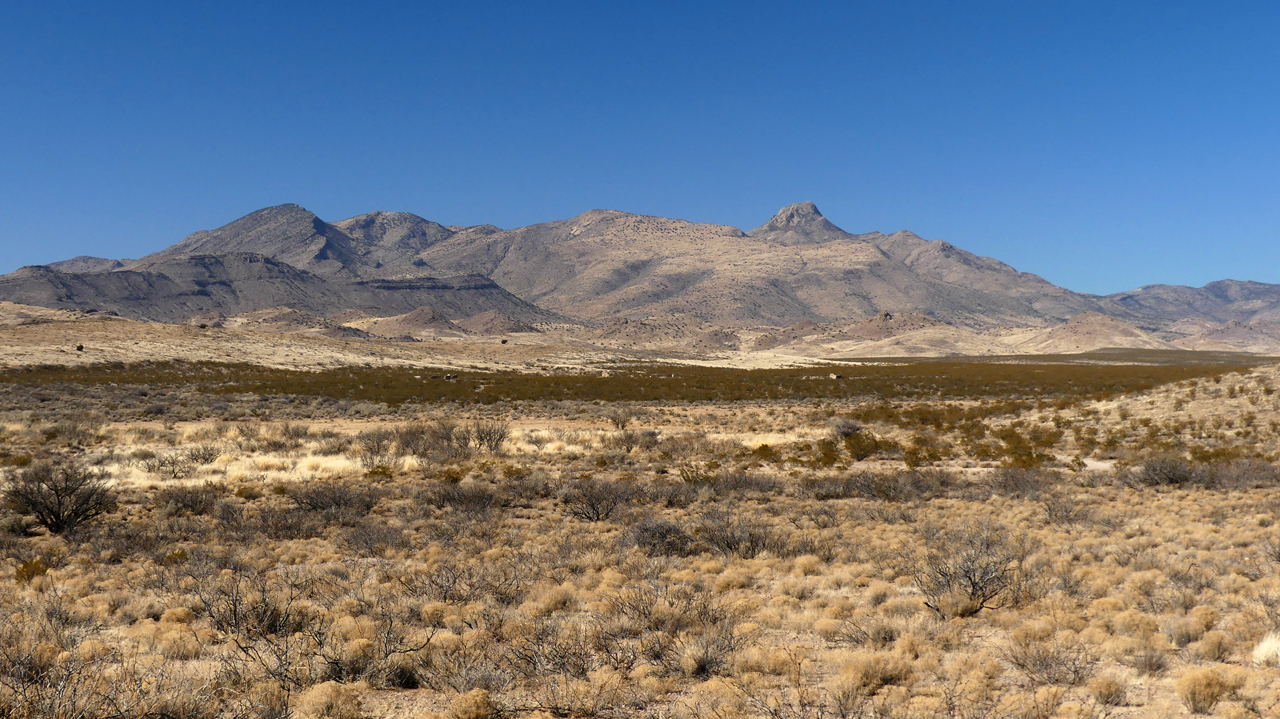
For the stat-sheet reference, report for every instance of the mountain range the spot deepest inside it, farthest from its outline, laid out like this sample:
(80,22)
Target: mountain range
(603,266)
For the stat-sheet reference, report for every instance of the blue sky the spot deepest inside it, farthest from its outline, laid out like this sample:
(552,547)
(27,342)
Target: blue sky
(1102,145)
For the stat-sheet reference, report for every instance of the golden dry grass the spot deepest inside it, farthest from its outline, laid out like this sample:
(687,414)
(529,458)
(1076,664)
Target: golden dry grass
(378,565)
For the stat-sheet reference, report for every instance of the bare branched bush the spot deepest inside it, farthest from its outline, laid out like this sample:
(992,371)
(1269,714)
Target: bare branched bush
(473,500)
(744,483)
(677,627)
(629,439)
(909,486)
(461,581)
(1021,481)
(60,495)
(660,537)
(740,535)
(372,538)
(442,439)
(1052,659)
(490,435)
(1247,474)
(204,454)
(175,465)
(193,500)
(335,499)
(620,417)
(282,523)
(373,450)
(592,500)
(1174,471)
(969,568)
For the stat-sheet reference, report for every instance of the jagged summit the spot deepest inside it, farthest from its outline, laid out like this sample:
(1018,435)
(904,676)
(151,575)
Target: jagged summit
(800,224)
(801,213)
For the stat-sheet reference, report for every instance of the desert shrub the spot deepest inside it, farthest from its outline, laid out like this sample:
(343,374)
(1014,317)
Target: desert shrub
(913,485)
(1149,661)
(1021,481)
(29,570)
(293,431)
(81,678)
(627,439)
(679,628)
(593,500)
(17,525)
(195,500)
(329,700)
(335,499)
(968,568)
(372,449)
(473,500)
(691,473)
(475,704)
(369,538)
(1108,690)
(671,494)
(79,431)
(60,495)
(1051,659)
(440,439)
(1247,474)
(1027,449)
(1065,510)
(925,449)
(176,465)
(844,427)
(863,444)
(659,537)
(733,482)
(490,435)
(620,417)
(1200,689)
(740,535)
(1173,471)
(461,580)
(204,454)
(287,523)
(333,446)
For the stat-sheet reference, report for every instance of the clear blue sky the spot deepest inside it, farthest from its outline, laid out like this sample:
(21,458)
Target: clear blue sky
(1102,145)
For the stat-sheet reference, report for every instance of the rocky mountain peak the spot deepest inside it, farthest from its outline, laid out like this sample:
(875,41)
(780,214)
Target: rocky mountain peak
(801,213)
(800,224)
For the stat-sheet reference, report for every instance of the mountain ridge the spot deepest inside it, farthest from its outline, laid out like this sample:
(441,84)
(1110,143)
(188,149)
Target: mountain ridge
(603,265)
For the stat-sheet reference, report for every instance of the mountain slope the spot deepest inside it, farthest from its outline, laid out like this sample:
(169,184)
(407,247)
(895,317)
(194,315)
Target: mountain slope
(798,266)
(174,289)
(392,238)
(287,233)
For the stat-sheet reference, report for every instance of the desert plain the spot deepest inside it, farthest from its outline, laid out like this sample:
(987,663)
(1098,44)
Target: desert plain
(231,522)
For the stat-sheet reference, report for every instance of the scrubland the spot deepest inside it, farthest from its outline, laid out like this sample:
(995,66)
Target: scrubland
(935,540)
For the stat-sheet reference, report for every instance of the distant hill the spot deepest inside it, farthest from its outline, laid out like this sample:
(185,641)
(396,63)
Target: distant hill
(1088,332)
(174,289)
(672,280)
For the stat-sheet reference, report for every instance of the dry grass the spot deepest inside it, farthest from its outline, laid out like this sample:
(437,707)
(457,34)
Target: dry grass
(409,562)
